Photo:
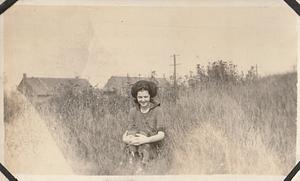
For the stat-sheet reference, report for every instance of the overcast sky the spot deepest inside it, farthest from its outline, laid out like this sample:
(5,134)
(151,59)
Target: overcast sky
(98,42)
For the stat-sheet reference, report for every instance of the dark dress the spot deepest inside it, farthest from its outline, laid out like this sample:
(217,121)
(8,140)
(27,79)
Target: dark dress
(147,124)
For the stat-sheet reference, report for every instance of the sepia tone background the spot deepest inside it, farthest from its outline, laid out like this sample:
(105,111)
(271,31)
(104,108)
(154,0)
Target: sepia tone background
(93,42)
(118,43)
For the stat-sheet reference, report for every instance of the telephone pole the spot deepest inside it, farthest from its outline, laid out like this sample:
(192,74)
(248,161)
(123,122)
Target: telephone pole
(256,71)
(174,75)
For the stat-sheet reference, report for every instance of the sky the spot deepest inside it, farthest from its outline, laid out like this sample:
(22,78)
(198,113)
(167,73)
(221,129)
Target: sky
(96,42)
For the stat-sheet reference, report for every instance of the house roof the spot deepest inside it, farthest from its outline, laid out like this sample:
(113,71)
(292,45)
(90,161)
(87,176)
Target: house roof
(47,86)
(118,82)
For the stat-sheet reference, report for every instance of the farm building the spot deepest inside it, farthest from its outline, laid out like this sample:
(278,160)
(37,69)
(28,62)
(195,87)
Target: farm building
(40,89)
(122,85)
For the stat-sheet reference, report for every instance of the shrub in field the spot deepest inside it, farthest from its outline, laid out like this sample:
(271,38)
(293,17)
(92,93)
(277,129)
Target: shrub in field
(221,72)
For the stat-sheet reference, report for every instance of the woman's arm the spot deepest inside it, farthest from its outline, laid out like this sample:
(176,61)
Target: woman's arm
(131,126)
(142,139)
(159,136)
(127,138)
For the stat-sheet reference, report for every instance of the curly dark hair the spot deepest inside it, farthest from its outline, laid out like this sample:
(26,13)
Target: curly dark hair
(149,86)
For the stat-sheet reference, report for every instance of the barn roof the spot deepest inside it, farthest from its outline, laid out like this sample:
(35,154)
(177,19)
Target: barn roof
(47,86)
(119,82)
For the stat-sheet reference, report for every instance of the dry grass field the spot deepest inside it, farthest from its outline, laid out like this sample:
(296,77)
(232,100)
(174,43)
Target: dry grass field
(247,128)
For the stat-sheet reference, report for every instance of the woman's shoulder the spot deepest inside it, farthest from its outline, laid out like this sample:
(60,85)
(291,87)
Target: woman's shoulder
(156,107)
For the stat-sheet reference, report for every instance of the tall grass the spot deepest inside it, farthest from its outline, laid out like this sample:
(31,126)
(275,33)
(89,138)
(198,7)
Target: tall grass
(240,130)
(245,128)
(13,106)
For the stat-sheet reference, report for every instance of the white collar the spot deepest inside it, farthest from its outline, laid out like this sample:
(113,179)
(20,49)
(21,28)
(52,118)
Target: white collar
(146,111)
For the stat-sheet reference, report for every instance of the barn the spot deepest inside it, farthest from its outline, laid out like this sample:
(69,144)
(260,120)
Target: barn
(40,89)
(122,84)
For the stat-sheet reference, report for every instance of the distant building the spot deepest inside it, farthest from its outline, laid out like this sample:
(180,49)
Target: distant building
(40,89)
(122,85)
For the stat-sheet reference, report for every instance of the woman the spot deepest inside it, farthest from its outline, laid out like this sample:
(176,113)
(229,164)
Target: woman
(145,122)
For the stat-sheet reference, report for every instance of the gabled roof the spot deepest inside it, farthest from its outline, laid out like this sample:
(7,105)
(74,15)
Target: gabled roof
(47,86)
(119,82)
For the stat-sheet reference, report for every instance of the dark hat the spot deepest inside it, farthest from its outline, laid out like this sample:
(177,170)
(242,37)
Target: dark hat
(146,85)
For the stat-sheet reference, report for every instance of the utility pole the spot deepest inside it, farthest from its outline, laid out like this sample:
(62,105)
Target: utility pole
(256,71)
(174,76)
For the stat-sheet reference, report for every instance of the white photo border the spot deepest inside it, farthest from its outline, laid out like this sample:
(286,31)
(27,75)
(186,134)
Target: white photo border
(169,3)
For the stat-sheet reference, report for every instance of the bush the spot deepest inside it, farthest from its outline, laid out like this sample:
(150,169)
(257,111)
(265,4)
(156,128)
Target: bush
(221,72)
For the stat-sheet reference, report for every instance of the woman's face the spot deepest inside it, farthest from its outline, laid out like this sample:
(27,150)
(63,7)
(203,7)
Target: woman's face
(143,98)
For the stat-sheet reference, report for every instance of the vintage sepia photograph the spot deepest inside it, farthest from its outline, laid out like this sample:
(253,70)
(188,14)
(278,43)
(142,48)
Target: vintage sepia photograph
(150,90)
